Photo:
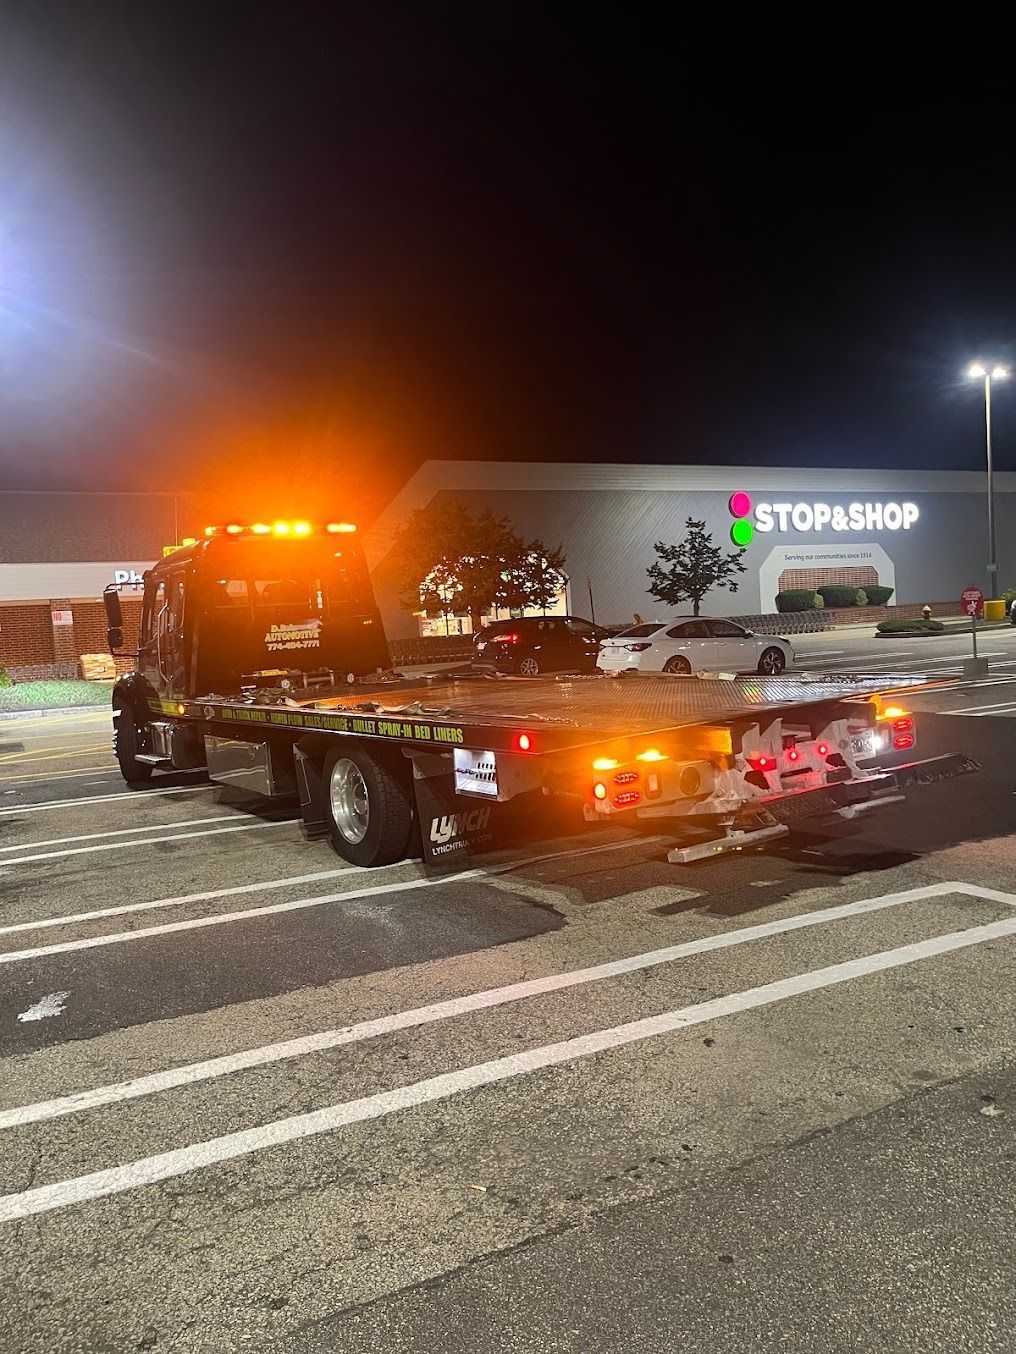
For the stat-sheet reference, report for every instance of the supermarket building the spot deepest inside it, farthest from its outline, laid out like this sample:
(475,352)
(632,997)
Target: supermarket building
(923,533)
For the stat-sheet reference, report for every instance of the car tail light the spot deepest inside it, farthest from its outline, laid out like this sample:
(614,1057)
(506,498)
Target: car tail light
(507,637)
(903,725)
(524,742)
(903,740)
(637,648)
(760,762)
(626,798)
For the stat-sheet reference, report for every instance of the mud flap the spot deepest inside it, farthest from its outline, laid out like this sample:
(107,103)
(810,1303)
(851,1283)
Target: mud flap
(452,828)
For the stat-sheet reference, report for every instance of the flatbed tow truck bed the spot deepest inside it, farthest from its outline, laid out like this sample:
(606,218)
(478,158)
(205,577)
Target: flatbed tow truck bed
(729,759)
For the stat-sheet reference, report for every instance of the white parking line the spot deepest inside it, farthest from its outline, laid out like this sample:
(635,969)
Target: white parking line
(102,799)
(980,709)
(222,918)
(213,1151)
(122,832)
(144,841)
(99,913)
(190,1073)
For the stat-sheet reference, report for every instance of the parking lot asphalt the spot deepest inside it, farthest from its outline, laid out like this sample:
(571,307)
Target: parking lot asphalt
(569,1098)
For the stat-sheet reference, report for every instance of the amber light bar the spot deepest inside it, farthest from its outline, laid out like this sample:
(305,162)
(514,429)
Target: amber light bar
(282,529)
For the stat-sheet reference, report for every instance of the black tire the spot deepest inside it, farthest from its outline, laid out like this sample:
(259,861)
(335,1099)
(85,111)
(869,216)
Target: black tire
(529,667)
(772,662)
(677,666)
(127,744)
(388,809)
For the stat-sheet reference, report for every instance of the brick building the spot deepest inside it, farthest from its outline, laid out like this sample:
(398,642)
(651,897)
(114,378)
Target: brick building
(58,551)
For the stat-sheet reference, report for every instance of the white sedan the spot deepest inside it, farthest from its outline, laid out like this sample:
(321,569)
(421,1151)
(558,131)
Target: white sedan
(687,644)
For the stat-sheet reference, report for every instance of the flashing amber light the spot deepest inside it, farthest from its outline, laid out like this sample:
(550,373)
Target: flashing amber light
(234,529)
(652,755)
(892,712)
(210,531)
(599,790)
(189,540)
(604,764)
(261,529)
(301,528)
(280,528)
(336,527)
(524,742)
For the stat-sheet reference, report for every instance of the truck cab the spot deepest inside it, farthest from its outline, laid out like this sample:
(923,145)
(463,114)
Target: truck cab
(241,608)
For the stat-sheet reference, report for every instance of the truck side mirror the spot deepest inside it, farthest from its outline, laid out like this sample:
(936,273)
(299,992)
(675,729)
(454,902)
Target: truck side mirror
(114,616)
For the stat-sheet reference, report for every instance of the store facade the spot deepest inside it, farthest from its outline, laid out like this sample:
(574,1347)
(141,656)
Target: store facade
(922,533)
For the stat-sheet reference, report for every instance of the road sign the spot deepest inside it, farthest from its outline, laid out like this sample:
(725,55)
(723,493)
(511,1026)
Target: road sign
(973,601)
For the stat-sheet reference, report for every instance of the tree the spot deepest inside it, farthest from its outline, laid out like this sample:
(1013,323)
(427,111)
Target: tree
(452,561)
(696,566)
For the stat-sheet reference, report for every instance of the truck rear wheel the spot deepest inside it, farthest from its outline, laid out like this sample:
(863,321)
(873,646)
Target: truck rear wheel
(126,746)
(369,810)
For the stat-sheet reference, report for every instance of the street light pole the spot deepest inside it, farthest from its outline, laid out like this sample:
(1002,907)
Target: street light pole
(997,372)
(992,555)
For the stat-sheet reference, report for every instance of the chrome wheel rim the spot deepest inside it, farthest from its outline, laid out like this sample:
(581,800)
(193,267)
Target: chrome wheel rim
(350,805)
(772,663)
(529,667)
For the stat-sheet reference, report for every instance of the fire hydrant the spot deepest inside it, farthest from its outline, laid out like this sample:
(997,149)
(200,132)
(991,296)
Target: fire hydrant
(926,612)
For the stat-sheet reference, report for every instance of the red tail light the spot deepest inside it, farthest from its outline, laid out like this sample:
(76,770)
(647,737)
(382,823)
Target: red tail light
(760,762)
(626,798)
(637,648)
(903,740)
(822,749)
(793,755)
(507,637)
(903,725)
(524,742)
(626,778)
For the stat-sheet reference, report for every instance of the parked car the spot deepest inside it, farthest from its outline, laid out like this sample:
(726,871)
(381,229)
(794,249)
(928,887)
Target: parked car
(687,644)
(538,644)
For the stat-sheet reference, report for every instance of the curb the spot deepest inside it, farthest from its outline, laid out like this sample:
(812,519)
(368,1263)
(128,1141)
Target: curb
(57,710)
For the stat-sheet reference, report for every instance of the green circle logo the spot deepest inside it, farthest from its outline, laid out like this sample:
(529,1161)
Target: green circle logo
(742,532)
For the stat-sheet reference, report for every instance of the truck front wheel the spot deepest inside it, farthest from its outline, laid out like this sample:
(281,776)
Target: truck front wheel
(369,810)
(126,746)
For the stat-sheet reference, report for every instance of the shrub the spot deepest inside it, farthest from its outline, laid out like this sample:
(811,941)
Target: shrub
(839,594)
(5,678)
(1009,596)
(877,595)
(797,599)
(901,626)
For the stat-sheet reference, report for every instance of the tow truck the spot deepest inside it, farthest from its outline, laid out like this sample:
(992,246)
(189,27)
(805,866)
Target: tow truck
(262,661)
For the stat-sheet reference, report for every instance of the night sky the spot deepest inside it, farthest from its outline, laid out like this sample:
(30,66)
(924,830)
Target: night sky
(297,249)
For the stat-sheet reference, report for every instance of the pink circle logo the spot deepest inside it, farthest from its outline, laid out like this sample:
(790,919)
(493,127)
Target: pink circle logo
(740,504)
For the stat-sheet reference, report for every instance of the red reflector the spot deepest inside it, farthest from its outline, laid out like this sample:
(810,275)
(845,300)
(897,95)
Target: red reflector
(524,742)
(625,798)
(626,778)
(903,740)
(903,725)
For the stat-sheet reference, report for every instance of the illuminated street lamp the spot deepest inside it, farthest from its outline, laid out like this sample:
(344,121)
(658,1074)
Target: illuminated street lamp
(978,371)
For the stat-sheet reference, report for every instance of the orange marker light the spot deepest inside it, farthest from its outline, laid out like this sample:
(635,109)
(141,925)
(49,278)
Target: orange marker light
(336,527)
(301,528)
(604,764)
(892,712)
(210,531)
(233,529)
(652,755)
(280,528)
(189,540)
(260,529)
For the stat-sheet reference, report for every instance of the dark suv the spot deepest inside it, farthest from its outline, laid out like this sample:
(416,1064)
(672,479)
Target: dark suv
(538,644)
